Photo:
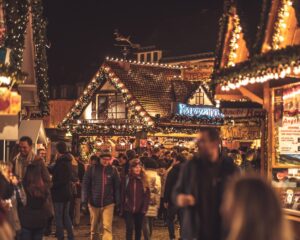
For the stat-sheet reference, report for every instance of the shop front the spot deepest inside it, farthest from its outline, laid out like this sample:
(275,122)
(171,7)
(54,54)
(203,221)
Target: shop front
(134,106)
(284,167)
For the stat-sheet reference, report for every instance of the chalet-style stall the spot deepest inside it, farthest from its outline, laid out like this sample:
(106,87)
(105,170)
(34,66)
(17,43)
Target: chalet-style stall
(258,61)
(128,105)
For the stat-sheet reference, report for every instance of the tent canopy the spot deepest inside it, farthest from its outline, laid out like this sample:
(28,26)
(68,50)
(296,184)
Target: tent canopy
(33,129)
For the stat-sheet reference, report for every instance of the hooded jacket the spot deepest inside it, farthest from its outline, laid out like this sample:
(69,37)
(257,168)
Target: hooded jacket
(101,186)
(62,178)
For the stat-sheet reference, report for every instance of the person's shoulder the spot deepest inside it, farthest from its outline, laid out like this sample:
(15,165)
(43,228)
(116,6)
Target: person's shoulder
(228,164)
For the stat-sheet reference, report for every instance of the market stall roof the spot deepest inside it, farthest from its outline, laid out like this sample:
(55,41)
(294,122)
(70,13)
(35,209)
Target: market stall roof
(149,88)
(33,129)
(255,45)
(155,88)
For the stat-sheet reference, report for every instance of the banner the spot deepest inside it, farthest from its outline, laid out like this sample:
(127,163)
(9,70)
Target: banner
(240,132)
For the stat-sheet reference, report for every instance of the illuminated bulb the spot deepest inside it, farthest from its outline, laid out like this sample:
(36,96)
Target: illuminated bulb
(138,108)
(223,88)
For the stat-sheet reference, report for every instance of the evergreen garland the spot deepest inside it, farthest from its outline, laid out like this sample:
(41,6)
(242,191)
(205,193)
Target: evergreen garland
(16,19)
(41,66)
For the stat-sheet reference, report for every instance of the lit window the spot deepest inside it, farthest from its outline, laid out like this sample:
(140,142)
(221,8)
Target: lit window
(199,97)
(111,106)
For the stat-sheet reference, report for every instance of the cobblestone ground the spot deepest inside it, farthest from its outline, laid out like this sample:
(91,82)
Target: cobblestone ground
(82,232)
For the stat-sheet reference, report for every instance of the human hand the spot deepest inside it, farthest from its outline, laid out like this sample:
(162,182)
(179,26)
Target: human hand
(185,200)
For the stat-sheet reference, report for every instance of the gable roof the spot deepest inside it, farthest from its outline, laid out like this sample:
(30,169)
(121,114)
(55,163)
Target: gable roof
(155,88)
(150,89)
(253,17)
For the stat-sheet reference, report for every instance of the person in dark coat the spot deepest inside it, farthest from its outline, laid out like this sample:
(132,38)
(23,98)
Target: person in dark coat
(35,212)
(200,188)
(61,191)
(101,190)
(171,181)
(135,199)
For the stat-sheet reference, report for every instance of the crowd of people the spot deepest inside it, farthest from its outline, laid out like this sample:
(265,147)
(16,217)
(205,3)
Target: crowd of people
(205,194)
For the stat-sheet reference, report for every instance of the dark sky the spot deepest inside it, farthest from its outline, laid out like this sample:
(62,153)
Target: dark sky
(81,31)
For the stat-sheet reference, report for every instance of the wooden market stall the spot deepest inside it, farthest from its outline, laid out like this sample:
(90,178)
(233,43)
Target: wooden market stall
(128,105)
(258,60)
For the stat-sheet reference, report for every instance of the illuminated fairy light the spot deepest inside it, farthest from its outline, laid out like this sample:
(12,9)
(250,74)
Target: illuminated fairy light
(276,73)
(129,98)
(5,80)
(233,43)
(280,24)
(111,59)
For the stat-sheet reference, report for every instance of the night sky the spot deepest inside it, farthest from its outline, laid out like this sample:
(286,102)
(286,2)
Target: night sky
(81,31)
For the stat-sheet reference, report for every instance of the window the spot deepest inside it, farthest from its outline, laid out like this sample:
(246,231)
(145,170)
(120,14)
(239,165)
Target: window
(148,57)
(111,106)
(142,57)
(199,97)
(155,56)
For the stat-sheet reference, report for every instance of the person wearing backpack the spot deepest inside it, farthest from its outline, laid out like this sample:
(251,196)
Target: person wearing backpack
(101,190)
(135,199)
(36,211)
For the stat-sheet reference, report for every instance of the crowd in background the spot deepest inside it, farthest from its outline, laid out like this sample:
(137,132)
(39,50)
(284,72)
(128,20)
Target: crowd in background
(204,193)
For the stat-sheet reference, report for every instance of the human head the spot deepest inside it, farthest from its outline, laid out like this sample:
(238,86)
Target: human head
(25,145)
(251,210)
(250,155)
(131,154)
(150,163)
(105,158)
(61,148)
(122,159)
(6,169)
(180,159)
(156,151)
(135,167)
(42,153)
(208,143)
(94,160)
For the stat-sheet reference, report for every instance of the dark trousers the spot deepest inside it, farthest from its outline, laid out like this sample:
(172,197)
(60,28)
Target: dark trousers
(32,234)
(134,220)
(62,219)
(148,227)
(172,212)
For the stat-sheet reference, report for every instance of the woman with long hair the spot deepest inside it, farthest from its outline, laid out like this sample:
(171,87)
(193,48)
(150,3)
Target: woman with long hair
(251,210)
(135,199)
(34,214)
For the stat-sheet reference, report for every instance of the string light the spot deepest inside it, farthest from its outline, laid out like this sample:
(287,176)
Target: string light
(233,42)
(262,76)
(280,24)
(111,59)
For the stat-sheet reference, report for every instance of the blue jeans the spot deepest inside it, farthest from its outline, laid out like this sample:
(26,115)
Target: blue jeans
(62,219)
(32,234)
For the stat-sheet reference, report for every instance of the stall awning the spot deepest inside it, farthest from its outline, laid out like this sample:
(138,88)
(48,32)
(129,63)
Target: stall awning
(33,129)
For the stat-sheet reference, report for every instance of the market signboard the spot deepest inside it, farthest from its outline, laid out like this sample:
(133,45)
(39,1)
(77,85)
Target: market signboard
(240,132)
(243,112)
(289,139)
(198,111)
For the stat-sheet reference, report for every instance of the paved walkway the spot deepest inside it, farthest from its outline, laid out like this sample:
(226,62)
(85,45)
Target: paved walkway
(82,232)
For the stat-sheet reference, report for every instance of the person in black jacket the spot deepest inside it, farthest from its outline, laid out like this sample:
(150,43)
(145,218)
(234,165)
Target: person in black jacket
(101,190)
(200,188)
(61,191)
(171,181)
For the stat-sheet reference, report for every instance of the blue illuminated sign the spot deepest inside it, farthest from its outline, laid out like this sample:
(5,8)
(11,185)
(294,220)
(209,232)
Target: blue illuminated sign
(198,111)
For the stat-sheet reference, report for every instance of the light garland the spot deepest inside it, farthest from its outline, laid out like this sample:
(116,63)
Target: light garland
(129,100)
(233,42)
(280,24)
(153,64)
(262,76)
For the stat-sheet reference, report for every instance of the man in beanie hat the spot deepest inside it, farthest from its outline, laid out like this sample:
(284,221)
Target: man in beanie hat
(101,190)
